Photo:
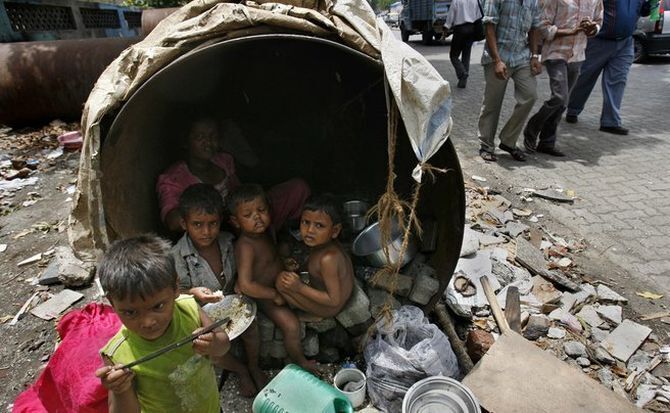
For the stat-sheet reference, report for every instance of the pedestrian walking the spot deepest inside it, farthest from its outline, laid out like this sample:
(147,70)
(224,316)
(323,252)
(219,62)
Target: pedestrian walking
(609,52)
(510,26)
(461,18)
(565,27)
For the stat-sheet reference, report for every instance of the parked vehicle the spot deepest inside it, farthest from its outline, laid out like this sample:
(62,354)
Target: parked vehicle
(653,37)
(426,17)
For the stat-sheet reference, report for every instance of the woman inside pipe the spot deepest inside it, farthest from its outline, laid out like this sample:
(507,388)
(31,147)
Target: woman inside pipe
(205,162)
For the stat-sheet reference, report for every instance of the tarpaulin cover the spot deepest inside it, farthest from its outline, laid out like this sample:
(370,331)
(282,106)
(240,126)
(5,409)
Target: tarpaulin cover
(68,383)
(421,94)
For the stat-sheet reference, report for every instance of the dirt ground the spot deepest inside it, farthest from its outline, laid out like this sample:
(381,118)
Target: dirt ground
(33,220)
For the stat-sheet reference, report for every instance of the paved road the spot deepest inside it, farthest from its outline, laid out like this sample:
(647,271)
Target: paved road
(623,182)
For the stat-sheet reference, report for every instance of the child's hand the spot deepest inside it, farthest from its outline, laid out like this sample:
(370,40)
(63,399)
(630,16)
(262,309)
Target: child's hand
(115,379)
(279,300)
(214,343)
(204,295)
(288,281)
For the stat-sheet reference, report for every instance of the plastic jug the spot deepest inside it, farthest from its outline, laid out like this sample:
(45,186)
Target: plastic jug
(295,390)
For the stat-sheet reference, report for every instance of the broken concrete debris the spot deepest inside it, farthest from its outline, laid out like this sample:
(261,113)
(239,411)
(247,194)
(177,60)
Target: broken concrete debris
(625,339)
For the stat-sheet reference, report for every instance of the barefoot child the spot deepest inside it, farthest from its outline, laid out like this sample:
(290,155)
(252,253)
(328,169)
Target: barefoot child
(258,264)
(140,281)
(205,262)
(330,268)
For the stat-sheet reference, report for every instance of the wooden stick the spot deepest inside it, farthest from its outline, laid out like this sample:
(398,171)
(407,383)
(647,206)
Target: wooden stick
(457,345)
(513,309)
(495,307)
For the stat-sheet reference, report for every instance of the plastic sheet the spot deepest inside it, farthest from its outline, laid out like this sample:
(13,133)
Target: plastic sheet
(402,352)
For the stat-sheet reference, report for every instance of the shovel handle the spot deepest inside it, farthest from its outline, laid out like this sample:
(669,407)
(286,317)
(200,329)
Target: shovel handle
(495,307)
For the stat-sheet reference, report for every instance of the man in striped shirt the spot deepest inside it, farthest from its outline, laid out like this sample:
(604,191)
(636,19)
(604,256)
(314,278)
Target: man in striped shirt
(565,25)
(510,52)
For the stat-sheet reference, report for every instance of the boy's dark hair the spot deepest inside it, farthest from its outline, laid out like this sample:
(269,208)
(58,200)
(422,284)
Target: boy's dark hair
(137,267)
(325,203)
(201,198)
(245,193)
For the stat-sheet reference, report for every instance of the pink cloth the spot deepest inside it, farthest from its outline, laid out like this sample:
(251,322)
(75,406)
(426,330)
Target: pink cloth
(68,383)
(286,198)
(178,177)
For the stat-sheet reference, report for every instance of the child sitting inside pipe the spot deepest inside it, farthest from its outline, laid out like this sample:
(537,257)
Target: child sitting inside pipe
(330,270)
(258,264)
(204,162)
(205,263)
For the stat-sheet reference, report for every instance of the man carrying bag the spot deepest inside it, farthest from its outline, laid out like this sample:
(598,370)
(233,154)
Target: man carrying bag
(465,19)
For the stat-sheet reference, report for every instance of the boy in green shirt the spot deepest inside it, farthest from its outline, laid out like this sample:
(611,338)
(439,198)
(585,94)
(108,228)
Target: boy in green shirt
(139,278)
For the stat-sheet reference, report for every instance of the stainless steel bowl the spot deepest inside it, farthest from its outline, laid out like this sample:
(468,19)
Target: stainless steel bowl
(368,245)
(355,208)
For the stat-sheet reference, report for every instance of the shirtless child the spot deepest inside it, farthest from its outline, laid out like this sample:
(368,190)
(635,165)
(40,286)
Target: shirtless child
(330,268)
(258,264)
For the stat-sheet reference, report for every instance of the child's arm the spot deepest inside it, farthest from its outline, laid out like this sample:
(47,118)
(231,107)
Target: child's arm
(214,343)
(330,298)
(119,382)
(244,257)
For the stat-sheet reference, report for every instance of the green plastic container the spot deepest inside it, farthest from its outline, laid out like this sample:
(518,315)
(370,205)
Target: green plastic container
(295,390)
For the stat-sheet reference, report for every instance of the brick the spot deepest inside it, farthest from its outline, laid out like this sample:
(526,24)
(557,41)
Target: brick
(425,287)
(394,283)
(266,327)
(277,349)
(323,325)
(310,344)
(357,309)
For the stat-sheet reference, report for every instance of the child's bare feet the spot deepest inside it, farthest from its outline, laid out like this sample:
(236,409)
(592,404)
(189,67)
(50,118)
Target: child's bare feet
(247,386)
(310,365)
(259,377)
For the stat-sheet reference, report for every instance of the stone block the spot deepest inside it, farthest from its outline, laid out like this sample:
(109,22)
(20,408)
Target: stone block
(278,335)
(328,355)
(266,327)
(337,337)
(538,326)
(478,343)
(425,287)
(574,349)
(264,349)
(323,325)
(379,298)
(277,349)
(625,339)
(357,309)
(310,344)
(361,328)
(397,284)
(420,270)
(544,291)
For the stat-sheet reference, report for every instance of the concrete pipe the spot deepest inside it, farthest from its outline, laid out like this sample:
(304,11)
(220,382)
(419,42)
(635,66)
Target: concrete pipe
(306,107)
(151,18)
(41,81)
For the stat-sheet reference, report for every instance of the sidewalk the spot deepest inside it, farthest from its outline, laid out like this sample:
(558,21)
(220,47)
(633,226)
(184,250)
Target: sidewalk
(621,183)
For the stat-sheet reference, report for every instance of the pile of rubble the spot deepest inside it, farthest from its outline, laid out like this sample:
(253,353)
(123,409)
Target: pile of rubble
(579,322)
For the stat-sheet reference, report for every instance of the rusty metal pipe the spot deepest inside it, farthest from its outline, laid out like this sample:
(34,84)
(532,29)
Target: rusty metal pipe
(45,80)
(151,18)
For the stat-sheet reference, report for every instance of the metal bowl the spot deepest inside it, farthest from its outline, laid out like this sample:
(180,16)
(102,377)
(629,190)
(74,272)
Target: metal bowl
(368,244)
(355,208)
(439,394)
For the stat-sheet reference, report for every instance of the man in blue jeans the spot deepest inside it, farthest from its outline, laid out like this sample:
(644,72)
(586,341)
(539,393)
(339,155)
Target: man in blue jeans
(610,52)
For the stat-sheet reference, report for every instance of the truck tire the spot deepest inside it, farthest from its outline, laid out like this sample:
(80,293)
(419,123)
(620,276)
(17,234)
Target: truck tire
(427,37)
(438,36)
(639,53)
(404,34)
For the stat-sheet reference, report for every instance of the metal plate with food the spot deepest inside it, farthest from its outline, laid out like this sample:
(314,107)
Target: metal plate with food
(240,309)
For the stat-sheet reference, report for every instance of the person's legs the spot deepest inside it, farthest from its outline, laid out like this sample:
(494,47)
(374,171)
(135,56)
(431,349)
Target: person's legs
(597,54)
(539,123)
(614,82)
(494,93)
(465,58)
(229,362)
(251,339)
(455,50)
(289,324)
(525,93)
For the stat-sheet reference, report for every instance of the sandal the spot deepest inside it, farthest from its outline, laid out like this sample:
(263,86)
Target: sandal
(487,156)
(515,152)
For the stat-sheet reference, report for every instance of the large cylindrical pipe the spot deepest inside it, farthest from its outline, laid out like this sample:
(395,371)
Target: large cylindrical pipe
(151,18)
(46,80)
